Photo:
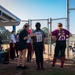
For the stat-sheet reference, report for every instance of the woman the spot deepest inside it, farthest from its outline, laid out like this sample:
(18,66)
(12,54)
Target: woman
(23,36)
(61,36)
(38,45)
(29,46)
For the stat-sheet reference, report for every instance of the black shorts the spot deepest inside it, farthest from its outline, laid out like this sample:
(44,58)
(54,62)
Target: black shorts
(60,48)
(22,46)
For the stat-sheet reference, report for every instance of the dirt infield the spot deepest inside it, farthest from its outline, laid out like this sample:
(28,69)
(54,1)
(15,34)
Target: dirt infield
(10,69)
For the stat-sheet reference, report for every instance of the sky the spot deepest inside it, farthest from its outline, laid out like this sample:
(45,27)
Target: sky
(40,9)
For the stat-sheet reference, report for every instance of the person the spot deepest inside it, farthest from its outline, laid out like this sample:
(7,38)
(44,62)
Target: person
(12,45)
(0,43)
(17,41)
(23,36)
(38,45)
(60,35)
(29,46)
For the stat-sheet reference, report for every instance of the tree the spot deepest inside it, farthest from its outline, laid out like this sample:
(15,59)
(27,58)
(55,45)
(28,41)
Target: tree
(5,34)
(45,29)
(19,31)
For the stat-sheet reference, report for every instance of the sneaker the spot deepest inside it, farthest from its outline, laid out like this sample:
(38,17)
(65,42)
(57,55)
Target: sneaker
(24,67)
(18,67)
(42,68)
(52,67)
(38,69)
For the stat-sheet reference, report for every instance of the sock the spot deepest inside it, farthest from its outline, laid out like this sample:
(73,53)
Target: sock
(62,61)
(54,61)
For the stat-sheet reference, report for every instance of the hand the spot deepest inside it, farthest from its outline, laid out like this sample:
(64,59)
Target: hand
(32,35)
(54,39)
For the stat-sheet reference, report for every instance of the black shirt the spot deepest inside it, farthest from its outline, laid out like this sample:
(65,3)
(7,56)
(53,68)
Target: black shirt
(23,34)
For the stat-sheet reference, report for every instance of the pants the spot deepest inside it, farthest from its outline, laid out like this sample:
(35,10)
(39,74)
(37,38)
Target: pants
(16,47)
(29,55)
(12,51)
(60,48)
(38,48)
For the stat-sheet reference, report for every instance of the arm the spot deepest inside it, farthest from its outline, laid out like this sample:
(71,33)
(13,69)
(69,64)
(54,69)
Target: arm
(69,35)
(31,35)
(53,33)
(52,37)
(26,37)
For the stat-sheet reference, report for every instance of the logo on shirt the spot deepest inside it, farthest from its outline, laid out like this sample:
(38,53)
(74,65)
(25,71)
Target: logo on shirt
(38,36)
(61,35)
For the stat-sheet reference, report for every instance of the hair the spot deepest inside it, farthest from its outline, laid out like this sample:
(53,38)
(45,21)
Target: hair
(60,25)
(38,24)
(12,31)
(25,25)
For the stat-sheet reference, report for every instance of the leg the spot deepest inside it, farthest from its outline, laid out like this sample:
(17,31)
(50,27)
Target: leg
(55,56)
(37,53)
(23,58)
(16,47)
(62,57)
(12,51)
(28,55)
(36,48)
(41,55)
(19,58)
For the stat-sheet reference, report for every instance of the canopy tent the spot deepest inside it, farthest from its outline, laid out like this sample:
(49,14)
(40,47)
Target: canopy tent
(7,18)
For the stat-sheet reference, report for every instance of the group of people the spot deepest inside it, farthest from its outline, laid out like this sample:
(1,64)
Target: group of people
(34,40)
(14,45)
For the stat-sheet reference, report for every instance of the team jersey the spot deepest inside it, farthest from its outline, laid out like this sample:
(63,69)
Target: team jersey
(60,34)
(40,35)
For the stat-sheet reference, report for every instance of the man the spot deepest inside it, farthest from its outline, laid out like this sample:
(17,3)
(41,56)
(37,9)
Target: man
(60,35)
(12,45)
(38,45)
(17,42)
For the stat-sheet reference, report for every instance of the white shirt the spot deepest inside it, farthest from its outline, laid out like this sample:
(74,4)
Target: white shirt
(17,38)
(12,38)
(29,39)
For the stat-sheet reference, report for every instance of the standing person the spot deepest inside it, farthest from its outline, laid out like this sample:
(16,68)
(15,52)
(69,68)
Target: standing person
(17,42)
(38,45)
(0,42)
(12,45)
(61,35)
(29,46)
(23,36)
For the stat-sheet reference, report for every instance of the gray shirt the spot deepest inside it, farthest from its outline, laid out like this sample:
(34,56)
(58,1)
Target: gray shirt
(40,35)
